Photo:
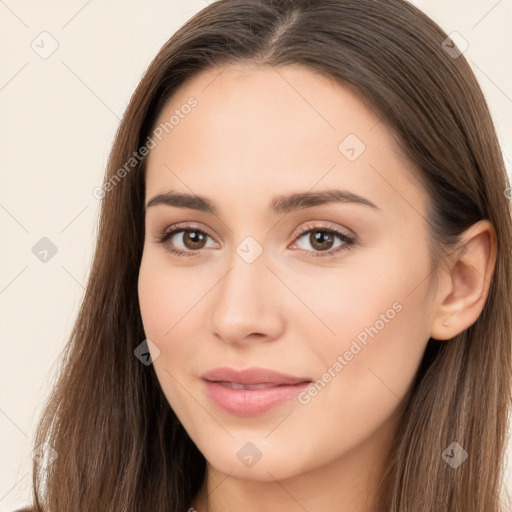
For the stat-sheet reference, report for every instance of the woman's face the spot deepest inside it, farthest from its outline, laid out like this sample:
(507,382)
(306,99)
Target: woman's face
(264,283)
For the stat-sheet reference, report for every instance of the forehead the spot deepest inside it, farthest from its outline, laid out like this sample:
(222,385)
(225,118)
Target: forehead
(258,129)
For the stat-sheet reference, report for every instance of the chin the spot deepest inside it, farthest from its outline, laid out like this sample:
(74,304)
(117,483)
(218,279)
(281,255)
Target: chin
(268,468)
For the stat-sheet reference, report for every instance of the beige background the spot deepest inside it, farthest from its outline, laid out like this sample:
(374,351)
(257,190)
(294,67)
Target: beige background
(59,115)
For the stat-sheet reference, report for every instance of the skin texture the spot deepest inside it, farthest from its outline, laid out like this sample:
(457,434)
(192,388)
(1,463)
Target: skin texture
(255,133)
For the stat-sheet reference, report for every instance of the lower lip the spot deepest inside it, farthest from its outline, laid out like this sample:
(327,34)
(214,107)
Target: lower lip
(251,402)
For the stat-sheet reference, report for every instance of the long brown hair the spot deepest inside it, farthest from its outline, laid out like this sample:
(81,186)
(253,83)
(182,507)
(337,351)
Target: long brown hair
(118,443)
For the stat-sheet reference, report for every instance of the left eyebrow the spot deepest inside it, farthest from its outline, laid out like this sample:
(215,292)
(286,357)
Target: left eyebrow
(301,200)
(279,204)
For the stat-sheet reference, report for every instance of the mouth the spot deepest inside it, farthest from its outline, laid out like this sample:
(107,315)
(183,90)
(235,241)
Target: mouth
(251,392)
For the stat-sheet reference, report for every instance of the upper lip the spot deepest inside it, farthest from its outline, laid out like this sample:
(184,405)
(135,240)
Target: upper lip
(251,376)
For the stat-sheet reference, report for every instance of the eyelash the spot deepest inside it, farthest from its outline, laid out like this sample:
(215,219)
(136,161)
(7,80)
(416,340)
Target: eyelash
(348,242)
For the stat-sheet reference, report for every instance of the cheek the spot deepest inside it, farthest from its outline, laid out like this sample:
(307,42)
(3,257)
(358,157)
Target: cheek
(381,330)
(375,299)
(360,384)
(170,306)
(165,295)
(163,305)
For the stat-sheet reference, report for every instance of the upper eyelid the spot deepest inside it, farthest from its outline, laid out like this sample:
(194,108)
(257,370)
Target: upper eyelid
(187,227)
(308,227)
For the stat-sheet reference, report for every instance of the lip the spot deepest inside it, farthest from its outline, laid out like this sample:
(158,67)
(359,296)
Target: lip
(252,375)
(224,386)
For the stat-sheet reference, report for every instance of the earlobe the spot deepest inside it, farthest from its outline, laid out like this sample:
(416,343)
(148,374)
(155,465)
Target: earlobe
(468,281)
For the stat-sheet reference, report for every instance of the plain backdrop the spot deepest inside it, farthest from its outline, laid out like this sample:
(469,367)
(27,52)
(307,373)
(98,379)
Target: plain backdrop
(68,70)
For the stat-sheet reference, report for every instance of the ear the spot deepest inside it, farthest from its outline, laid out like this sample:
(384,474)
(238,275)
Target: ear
(466,283)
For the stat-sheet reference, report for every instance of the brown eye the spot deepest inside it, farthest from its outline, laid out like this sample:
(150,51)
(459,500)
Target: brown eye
(193,239)
(322,239)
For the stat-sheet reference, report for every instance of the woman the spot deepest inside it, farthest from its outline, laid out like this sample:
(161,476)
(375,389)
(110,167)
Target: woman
(299,298)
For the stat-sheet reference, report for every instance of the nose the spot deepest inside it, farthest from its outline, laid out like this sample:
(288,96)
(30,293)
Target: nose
(248,304)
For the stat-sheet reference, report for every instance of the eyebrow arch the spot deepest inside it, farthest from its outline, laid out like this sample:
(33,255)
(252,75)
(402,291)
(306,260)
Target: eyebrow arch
(279,204)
